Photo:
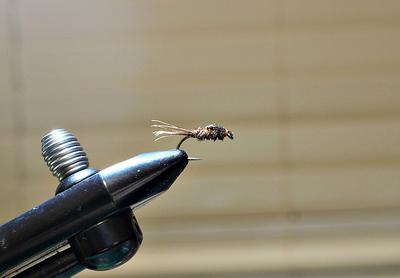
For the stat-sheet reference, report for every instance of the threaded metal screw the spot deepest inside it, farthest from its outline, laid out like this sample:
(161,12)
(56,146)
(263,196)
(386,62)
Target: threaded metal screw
(63,153)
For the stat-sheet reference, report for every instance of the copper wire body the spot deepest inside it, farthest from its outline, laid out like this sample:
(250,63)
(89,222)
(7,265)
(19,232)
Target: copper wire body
(210,132)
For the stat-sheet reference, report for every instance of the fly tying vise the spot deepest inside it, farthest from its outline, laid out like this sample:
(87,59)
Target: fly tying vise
(210,132)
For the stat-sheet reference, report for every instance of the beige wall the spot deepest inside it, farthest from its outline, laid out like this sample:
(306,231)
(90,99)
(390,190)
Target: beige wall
(310,186)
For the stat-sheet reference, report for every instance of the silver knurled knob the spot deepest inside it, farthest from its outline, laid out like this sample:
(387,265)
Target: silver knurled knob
(63,153)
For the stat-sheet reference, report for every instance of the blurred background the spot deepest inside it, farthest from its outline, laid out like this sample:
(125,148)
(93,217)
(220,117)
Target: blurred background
(310,185)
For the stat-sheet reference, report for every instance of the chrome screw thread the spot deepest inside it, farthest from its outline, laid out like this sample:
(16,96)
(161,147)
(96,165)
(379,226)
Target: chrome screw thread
(63,153)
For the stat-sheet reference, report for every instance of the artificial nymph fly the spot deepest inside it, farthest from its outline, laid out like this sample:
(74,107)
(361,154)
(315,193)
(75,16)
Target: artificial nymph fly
(210,132)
